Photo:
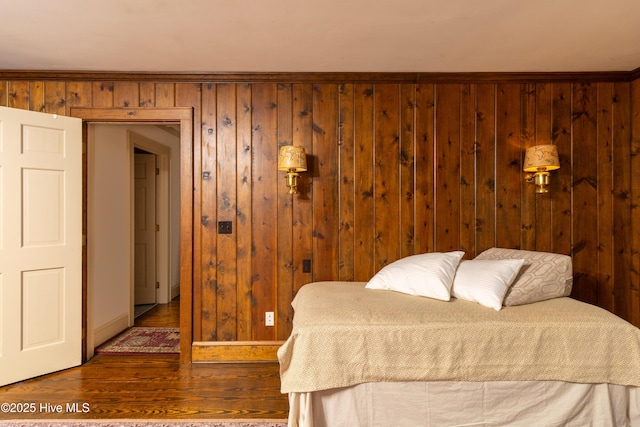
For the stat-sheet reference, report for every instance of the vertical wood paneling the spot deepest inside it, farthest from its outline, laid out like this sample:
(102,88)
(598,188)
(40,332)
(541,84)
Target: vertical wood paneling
(325,185)
(265,209)
(165,94)
(543,218)
(447,159)
(226,197)
(543,109)
(284,283)
(363,210)
(387,175)
(243,210)
(55,97)
(561,184)
(102,94)
(36,96)
(126,94)
(209,214)
(424,163)
(485,149)
(302,204)
(393,170)
(530,199)
(3,93)
(147,94)
(467,170)
(585,169)
(634,315)
(208,295)
(18,95)
(78,94)
(621,198)
(508,175)
(347,177)
(407,170)
(604,159)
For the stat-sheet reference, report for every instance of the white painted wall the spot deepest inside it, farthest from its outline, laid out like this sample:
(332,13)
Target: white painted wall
(109,229)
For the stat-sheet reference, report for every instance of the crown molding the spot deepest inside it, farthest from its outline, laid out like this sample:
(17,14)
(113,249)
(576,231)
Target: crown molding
(316,77)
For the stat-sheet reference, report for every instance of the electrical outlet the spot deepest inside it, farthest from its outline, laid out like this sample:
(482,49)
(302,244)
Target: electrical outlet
(306,266)
(269,318)
(225,227)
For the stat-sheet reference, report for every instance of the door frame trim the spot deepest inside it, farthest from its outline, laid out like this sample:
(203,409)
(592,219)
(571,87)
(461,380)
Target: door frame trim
(184,116)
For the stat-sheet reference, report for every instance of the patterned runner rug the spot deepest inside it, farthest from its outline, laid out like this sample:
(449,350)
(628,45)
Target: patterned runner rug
(143,340)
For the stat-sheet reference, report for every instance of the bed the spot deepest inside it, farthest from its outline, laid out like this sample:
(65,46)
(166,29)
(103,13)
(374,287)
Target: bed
(373,357)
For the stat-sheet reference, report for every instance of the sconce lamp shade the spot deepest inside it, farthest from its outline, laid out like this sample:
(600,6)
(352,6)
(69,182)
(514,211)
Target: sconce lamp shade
(292,158)
(541,158)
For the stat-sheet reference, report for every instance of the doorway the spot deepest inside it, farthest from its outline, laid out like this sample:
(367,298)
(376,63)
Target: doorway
(130,222)
(155,185)
(145,227)
(183,118)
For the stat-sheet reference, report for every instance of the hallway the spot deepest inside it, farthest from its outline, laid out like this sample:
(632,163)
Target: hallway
(161,316)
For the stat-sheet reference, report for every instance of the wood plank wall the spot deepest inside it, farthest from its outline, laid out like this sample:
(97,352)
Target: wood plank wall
(394,169)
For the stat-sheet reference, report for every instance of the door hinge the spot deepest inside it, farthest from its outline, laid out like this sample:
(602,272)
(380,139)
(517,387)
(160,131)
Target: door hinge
(157,227)
(157,285)
(157,171)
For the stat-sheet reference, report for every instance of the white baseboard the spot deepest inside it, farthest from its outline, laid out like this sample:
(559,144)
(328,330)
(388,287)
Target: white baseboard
(110,329)
(175,291)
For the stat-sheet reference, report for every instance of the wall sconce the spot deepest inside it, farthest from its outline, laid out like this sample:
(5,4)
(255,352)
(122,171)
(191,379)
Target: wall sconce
(539,160)
(292,159)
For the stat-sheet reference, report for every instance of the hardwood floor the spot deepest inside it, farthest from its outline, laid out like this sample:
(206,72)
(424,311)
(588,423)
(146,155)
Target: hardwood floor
(161,316)
(151,387)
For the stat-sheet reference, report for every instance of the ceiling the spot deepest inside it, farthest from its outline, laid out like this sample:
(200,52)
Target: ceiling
(206,36)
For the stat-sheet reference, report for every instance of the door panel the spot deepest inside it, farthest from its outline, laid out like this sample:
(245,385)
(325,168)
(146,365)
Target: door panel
(40,244)
(43,309)
(43,195)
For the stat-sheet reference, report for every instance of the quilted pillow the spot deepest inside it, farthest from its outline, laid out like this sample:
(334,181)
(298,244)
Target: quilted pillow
(427,275)
(543,276)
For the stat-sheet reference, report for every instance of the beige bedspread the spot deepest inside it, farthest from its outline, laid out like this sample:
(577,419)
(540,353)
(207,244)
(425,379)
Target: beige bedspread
(344,334)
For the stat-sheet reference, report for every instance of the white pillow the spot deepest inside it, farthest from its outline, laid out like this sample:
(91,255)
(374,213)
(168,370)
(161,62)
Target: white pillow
(428,275)
(485,281)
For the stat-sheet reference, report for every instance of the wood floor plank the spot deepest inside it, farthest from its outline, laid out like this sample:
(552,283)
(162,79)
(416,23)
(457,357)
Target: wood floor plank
(153,387)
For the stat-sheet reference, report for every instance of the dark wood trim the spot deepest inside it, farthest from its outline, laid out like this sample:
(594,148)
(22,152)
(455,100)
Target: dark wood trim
(329,77)
(236,351)
(184,116)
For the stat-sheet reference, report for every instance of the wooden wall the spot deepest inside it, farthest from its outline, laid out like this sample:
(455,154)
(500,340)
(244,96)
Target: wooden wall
(396,168)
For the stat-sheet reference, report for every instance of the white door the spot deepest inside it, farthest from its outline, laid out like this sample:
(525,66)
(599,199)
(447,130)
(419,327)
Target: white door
(145,229)
(40,244)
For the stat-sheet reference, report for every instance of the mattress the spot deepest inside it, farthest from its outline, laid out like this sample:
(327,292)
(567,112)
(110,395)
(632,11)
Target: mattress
(344,334)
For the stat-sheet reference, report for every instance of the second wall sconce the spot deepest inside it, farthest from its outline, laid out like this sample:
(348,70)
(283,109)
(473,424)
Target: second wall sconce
(539,160)
(292,159)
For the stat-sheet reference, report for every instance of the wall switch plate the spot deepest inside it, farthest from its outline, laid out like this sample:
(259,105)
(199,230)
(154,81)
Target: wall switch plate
(306,266)
(225,227)
(269,318)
